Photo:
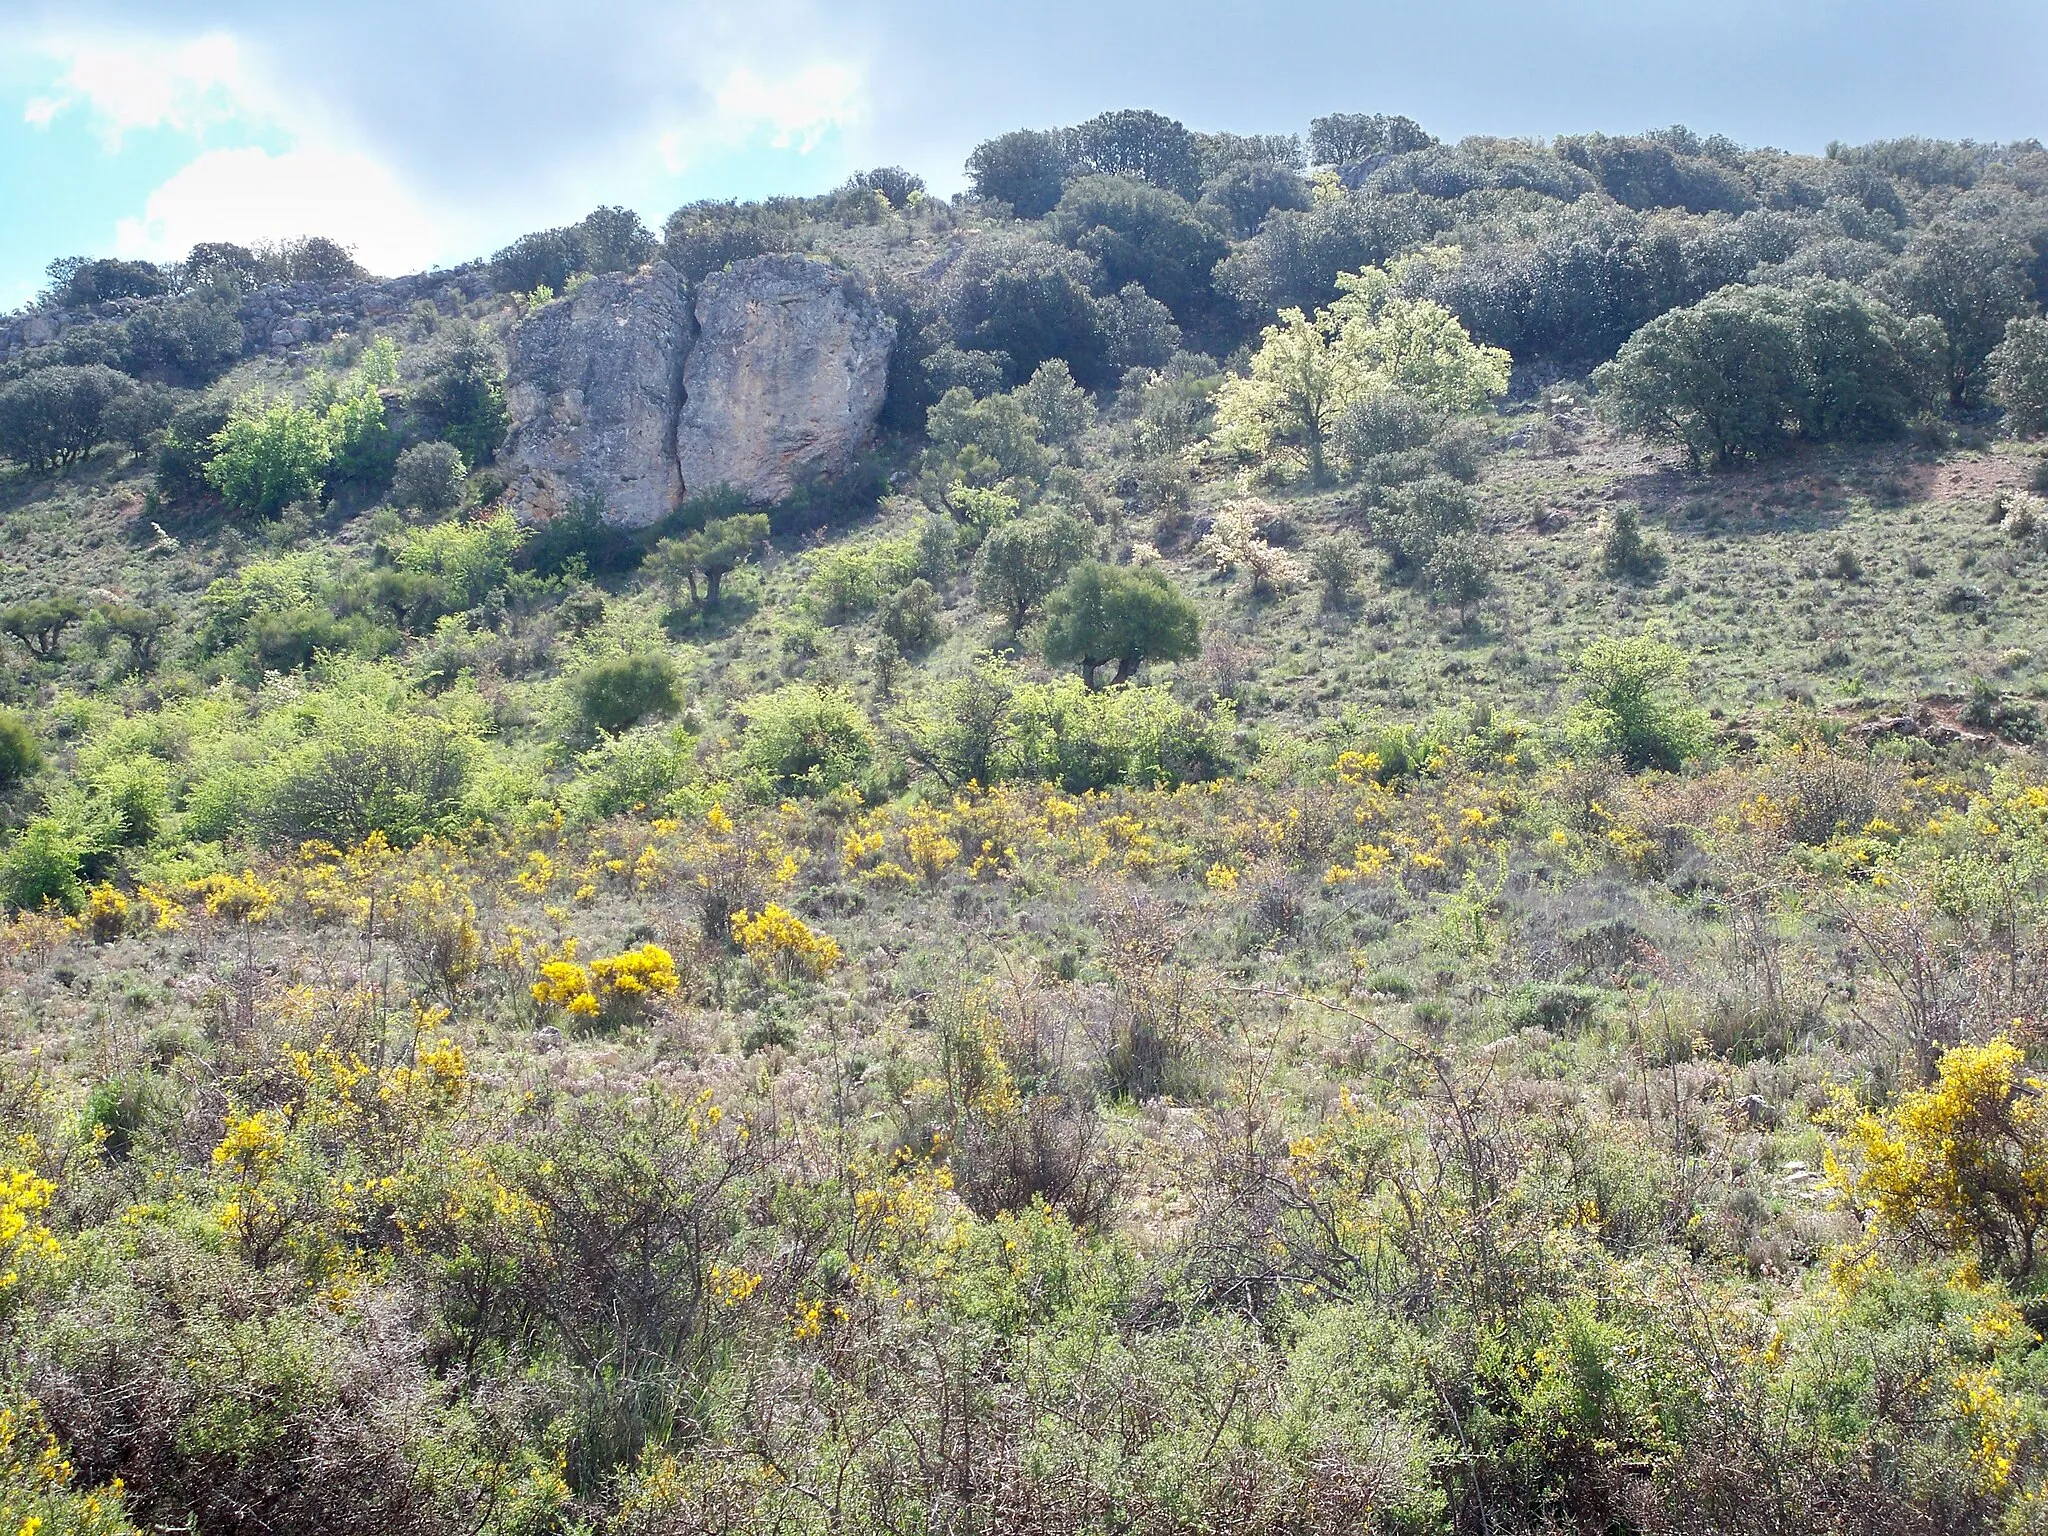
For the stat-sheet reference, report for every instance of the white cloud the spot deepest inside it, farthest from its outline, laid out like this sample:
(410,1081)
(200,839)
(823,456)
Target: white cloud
(249,195)
(148,83)
(796,111)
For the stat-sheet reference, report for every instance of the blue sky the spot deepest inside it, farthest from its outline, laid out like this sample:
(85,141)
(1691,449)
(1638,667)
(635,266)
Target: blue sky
(424,132)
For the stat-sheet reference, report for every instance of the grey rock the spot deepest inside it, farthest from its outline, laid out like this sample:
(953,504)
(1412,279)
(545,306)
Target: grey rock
(786,378)
(593,388)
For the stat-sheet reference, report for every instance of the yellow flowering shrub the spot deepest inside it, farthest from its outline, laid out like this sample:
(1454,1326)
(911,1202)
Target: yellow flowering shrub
(783,944)
(106,914)
(1960,1165)
(24,1240)
(38,1492)
(614,988)
(240,898)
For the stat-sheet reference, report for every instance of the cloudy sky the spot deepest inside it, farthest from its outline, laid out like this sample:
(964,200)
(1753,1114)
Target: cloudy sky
(428,131)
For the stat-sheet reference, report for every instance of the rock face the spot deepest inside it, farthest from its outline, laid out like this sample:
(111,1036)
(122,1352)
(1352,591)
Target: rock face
(786,377)
(593,388)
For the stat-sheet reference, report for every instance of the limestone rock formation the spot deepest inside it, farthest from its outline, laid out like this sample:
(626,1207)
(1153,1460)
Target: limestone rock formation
(594,383)
(786,377)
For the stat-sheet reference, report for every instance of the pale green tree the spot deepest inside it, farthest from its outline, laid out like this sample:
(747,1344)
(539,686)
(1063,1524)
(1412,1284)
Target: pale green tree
(1309,369)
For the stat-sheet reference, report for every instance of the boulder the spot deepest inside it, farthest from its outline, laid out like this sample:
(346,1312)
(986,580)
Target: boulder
(786,377)
(593,387)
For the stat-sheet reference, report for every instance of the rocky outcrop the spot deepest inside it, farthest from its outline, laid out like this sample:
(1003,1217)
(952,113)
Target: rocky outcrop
(593,389)
(786,378)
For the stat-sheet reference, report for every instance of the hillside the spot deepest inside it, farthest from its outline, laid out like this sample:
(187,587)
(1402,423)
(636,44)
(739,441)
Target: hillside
(1355,843)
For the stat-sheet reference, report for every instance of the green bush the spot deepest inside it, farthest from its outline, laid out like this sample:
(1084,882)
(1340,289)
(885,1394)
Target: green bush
(911,617)
(2019,375)
(461,397)
(1738,375)
(1632,706)
(364,769)
(472,559)
(805,740)
(56,416)
(428,477)
(19,755)
(44,867)
(621,691)
(269,455)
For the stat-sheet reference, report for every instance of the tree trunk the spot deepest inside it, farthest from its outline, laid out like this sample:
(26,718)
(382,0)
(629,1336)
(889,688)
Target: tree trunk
(1126,666)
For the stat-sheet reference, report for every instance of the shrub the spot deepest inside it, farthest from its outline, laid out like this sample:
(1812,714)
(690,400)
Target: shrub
(805,740)
(1429,534)
(1739,374)
(19,755)
(1336,563)
(2019,375)
(187,445)
(470,559)
(44,867)
(1632,707)
(428,477)
(1025,169)
(621,691)
(1141,234)
(1958,1166)
(461,397)
(56,416)
(911,617)
(269,456)
(39,623)
(364,770)
(1626,551)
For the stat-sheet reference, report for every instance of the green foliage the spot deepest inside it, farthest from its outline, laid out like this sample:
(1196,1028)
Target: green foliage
(470,559)
(714,550)
(1632,705)
(20,756)
(39,624)
(911,617)
(1025,301)
(1738,375)
(429,478)
(56,416)
(358,769)
(995,726)
(43,867)
(852,579)
(605,240)
(188,444)
(1140,234)
(1429,532)
(1345,138)
(1308,372)
(269,455)
(460,398)
(805,740)
(618,692)
(1059,406)
(1973,281)
(1627,551)
(2019,376)
(1108,613)
(1025,169)
(1023,561)
(702,238)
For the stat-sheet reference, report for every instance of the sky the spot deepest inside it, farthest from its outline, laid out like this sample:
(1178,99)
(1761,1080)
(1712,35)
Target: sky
(426,132)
